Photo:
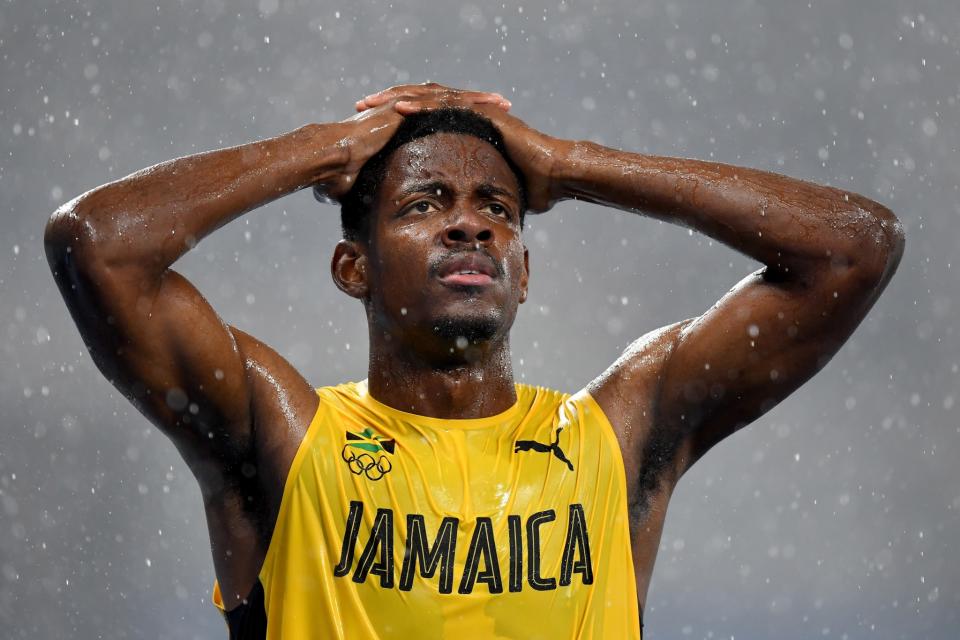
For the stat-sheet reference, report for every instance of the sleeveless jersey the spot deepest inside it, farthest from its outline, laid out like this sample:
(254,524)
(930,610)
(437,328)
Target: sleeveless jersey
(394,525)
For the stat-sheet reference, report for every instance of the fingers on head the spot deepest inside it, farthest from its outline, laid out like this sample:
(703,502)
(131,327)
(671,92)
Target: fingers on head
(492,98)
(430,92)
(406,107)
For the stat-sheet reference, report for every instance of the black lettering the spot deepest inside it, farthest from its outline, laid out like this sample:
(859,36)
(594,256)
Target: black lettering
(419,554)
(483,544)
(533,551)
(381,540)
(419,551)
(349,539)
(576,538)
(516,553)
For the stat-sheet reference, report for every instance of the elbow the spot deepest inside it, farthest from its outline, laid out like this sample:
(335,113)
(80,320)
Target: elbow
(897,241)
(863,249)
(879,249)
(68,239)
(60,236)
(890,240)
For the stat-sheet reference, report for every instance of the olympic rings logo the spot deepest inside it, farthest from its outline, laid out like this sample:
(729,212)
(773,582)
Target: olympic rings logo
(366,464)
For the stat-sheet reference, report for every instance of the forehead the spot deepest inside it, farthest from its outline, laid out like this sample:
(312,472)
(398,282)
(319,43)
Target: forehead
(459,159)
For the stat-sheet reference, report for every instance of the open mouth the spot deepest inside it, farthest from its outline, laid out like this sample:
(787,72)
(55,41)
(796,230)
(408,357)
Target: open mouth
(468,270)
(467,279)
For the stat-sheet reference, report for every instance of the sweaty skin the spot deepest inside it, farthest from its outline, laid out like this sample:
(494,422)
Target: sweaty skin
(237,410)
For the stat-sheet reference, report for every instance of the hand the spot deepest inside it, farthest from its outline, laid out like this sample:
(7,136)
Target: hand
(359,138)
(535,153)
(365,133)
(433,92)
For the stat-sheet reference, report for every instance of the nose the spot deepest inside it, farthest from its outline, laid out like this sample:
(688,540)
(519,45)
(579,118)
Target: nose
(469,229)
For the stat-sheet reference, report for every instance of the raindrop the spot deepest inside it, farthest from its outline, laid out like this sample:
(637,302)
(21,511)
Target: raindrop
(177,399)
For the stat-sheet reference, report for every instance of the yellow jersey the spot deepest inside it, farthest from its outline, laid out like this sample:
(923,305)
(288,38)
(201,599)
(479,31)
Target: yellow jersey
(394,525)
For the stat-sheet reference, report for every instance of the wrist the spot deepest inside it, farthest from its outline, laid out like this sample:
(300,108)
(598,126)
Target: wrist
(564,171)
(589,170)
(324,148)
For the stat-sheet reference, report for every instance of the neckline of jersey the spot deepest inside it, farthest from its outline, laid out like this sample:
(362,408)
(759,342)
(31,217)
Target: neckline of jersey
(504,417)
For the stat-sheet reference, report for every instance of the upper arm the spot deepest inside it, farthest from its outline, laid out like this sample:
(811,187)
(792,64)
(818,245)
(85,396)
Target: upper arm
(681,389)
(160,343)
(758,344)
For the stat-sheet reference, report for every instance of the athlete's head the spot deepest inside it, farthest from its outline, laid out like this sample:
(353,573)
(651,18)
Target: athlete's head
(357,205)
(432,233)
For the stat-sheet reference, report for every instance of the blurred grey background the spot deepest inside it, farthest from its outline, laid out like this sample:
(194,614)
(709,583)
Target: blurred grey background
(836,516)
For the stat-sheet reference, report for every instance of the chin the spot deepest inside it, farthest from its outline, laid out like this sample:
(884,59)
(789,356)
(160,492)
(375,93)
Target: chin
(474,328)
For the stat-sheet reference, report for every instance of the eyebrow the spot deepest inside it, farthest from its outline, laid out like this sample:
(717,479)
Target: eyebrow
(485,190)
(423,187)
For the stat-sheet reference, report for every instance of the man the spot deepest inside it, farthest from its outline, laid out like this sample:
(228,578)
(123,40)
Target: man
(438,498)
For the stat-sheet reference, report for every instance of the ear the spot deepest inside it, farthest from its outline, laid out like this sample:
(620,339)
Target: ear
(524,279)
(349,268)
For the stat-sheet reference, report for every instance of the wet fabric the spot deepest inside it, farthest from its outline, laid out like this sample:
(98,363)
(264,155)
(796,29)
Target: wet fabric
(394,525)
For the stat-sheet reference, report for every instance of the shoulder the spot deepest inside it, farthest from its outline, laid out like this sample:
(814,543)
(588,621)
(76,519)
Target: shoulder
(273,379)
(628,393)
(618,411)
(628,388)
(283,403)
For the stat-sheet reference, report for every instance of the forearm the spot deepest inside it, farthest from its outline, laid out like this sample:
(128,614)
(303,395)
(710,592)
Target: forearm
(150,218)
(788,224)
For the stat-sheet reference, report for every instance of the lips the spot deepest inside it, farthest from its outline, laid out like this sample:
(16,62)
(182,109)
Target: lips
(468,270)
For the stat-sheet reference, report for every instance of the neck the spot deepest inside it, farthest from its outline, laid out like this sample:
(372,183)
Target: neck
(475,382)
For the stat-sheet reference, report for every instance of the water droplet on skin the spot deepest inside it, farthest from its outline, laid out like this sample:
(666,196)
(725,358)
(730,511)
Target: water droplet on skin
(177,399)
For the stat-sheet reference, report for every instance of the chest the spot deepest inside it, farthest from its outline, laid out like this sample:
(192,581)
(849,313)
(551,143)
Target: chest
(503,509)
(458,473)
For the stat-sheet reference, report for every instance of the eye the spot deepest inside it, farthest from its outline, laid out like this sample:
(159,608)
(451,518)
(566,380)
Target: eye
(422,206)
(497,209)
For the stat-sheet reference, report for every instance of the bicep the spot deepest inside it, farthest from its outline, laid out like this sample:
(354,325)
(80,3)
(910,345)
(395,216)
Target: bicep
(758,344)
(163,346)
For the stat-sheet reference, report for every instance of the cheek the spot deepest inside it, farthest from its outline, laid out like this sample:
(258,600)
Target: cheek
(402,261)
(516,263)
(399,274)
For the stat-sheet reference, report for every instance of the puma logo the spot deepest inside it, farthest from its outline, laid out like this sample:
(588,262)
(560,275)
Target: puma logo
(533,445)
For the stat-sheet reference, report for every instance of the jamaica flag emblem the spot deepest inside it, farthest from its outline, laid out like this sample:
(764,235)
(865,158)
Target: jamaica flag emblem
(364,453)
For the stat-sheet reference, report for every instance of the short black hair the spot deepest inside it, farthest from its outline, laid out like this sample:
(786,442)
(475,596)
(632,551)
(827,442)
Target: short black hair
(357,203)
